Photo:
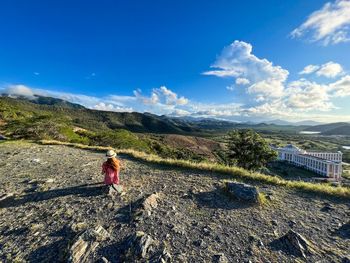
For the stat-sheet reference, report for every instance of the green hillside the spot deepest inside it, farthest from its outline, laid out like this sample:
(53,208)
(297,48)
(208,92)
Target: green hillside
(338,128)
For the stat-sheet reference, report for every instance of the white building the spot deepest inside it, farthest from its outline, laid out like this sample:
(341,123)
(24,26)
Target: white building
(328,164)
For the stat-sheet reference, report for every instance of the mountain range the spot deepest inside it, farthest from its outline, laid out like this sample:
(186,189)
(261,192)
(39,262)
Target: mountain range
(150,123)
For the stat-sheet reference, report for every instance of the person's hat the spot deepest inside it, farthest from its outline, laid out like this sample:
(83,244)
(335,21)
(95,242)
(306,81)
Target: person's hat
(110,154)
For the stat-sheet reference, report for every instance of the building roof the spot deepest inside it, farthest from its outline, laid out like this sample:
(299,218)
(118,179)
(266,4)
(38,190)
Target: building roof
(291,147)
(318,158)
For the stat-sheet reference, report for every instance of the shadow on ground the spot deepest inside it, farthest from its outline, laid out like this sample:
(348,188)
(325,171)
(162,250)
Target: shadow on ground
(218,198)
(85,190)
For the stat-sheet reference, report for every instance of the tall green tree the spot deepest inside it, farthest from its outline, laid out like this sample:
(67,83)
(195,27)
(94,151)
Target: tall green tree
(247,149)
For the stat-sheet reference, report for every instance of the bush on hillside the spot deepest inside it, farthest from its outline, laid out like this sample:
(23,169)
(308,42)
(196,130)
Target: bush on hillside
(247,149)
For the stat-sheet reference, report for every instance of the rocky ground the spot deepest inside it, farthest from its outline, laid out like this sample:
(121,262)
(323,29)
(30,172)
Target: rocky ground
(54,209)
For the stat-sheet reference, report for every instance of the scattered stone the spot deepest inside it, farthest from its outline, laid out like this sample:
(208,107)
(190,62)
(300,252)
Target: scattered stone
(344,230)
(150,202)
(274,222)
(162,256)
(78,227)
(104,260)
(327,208)
(346,259)
(86,243)
(295,244)
(5,196)
(220,258)
(199,243)
(146,206)
(292,223)
(270,197)
(243,191)
(139,245)
(206,231)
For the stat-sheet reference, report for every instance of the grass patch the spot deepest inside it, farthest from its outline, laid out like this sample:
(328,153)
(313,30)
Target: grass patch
(235,172)
(262,199)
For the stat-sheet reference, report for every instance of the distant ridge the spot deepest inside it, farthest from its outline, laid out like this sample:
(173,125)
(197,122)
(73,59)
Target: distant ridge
(147,122)
(299,123)
(337,128)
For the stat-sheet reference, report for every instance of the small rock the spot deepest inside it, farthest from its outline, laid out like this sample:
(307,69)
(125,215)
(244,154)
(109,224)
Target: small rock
(104,260)
(295,244)
(206,231)
(139,245)
(270,197)
(151,201)
(243,191)
(327,208)
(77,227)
(346,259)
(274,222)
(220,258)
(50,180)
(85,244)
(161,257)
(37,160)
(199,243)
(5,196)
(344,230)
(292,223)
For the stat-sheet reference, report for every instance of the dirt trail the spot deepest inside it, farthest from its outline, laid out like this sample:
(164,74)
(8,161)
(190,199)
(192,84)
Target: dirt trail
(47,191)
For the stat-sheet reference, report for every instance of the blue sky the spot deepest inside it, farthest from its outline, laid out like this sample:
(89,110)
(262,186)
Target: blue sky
(236,60)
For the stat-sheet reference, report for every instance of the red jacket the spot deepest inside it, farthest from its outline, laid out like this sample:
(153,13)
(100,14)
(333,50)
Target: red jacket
(111,176)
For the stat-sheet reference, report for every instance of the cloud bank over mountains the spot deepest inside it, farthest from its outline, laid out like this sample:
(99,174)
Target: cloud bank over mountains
(269,86)
(266,86)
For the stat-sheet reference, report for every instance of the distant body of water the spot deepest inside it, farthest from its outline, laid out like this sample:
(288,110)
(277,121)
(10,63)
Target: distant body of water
(309,132)
(346,147)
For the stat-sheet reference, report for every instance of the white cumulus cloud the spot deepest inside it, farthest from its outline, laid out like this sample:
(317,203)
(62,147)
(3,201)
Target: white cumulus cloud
(340,88)
(329,25)
(330,70)
(161,95)
(309,69)
(238,61)
(242,81)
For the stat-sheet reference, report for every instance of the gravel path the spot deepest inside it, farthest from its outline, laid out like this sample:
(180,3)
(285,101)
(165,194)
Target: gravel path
(49,193)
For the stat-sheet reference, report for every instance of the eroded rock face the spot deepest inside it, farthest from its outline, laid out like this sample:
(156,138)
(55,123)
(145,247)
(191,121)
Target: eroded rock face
(295,244)
(86,243)
(243,191)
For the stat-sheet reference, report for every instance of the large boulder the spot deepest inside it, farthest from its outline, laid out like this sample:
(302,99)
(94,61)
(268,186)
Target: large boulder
(243,191)
(86,243)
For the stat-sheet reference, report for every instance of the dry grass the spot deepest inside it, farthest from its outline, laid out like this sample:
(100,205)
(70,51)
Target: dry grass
(236,172)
